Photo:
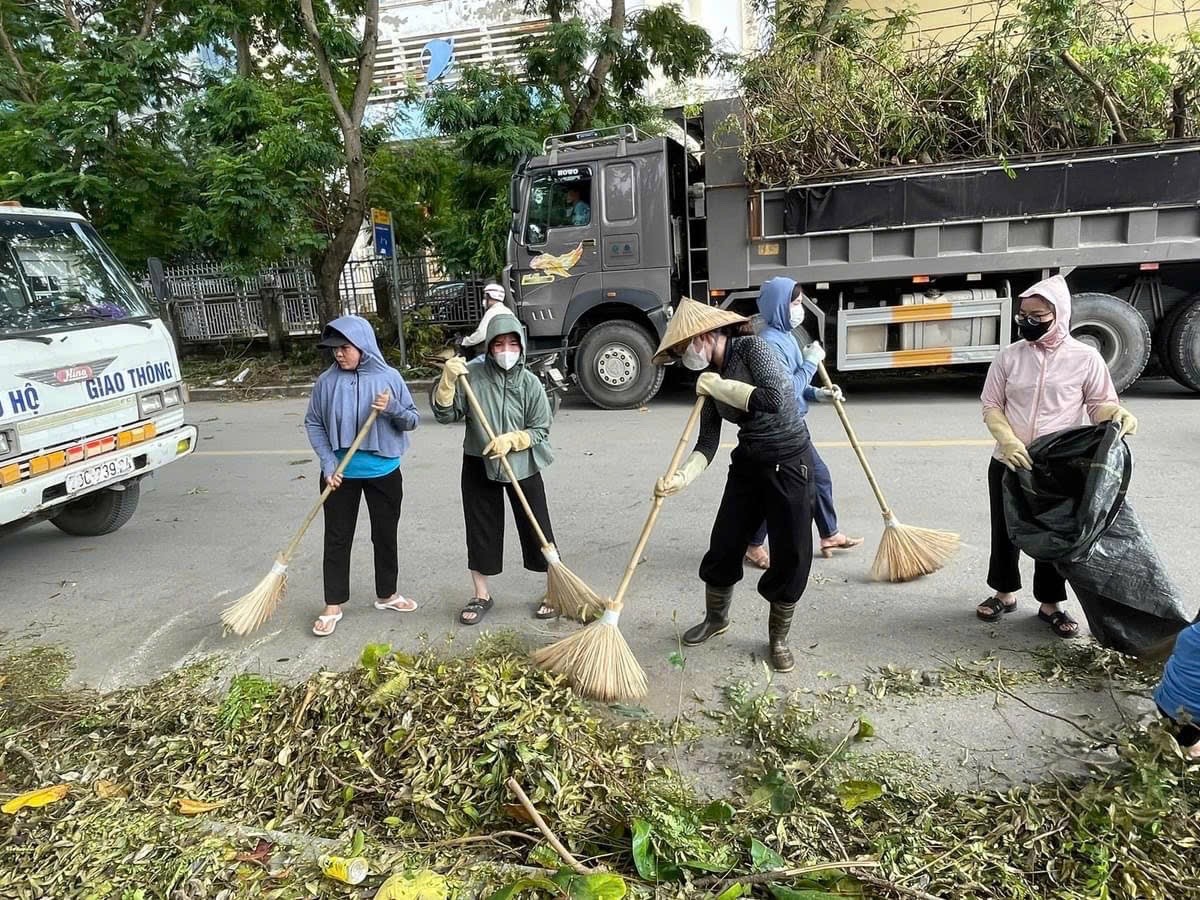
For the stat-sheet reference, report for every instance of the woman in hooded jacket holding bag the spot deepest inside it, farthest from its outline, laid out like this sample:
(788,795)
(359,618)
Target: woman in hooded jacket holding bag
(360,380)
(1043,383)
(515,404)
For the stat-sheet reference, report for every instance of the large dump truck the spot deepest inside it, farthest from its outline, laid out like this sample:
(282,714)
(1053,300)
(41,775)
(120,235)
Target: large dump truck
(914,266)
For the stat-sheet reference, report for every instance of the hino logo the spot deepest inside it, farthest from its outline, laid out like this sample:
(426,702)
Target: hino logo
(72,374)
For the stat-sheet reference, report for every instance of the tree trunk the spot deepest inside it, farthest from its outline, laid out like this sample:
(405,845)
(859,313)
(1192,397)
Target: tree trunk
(245,59)
(581,115)
(826,22)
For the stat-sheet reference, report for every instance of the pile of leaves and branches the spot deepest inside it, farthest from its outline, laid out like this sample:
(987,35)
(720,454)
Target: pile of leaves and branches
(840,90)
(178,791)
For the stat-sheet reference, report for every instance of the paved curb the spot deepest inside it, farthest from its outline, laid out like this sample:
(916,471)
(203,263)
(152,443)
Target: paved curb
(418,387)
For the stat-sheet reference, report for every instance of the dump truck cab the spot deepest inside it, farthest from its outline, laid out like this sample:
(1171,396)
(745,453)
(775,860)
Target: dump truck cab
(593,264)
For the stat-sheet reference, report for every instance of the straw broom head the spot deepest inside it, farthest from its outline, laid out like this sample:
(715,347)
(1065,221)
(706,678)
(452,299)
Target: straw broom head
(598,662)
(249,612)
(907,552)
(567,593)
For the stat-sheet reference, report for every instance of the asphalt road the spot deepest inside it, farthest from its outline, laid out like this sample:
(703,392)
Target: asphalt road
(138,602)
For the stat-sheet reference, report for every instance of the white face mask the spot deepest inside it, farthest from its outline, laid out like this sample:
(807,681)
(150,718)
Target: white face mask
(694,359)
(506,359)
(796,315)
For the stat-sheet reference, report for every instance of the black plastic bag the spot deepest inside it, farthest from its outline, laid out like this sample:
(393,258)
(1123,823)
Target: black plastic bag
(1071,510)
(1056,511)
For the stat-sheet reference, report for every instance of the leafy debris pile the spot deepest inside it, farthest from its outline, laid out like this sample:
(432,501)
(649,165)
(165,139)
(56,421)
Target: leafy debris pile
(180,791)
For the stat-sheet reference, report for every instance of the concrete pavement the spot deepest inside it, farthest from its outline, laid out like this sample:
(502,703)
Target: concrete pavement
(136,603)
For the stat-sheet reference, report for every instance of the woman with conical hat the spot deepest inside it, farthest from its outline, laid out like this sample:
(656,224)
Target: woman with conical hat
(745,384)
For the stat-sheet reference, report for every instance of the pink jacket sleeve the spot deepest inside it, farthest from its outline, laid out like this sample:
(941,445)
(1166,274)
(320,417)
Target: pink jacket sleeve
(993,387)
(1098,387)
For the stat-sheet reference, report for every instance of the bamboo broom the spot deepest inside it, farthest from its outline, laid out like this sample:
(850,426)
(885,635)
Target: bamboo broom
(597,659)
(905,551)
(565,591)
(248,613)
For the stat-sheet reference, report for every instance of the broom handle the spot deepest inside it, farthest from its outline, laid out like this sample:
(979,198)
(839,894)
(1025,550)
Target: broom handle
(358,439)
(862,458)
(656,506)
(487,428)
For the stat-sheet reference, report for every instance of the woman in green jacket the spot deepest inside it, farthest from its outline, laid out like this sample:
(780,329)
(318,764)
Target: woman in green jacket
(516,407)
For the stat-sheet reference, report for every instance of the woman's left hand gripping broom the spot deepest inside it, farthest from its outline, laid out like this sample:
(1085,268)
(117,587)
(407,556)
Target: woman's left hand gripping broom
(597,659)
(565,591)
(249,612)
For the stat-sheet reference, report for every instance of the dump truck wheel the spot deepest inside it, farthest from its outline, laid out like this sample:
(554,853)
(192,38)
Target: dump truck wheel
(614,368)
(1183,346)
(1116,330)
(97,513)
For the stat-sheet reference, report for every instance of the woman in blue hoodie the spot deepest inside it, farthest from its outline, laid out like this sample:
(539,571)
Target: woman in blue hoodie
(1178,694)
(780,303)
(360,380)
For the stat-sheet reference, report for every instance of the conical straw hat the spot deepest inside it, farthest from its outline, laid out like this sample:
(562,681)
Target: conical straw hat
(692,318)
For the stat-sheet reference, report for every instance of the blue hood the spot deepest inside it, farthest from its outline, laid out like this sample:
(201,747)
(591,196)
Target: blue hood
(358,331)
(774,302)
(341,400)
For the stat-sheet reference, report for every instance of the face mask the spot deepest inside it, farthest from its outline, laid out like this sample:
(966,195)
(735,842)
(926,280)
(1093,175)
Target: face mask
(796,316)
(1034,331)
(694,360)
(506,359)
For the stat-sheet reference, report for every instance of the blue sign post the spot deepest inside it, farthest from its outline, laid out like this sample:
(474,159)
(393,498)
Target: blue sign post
(385,246)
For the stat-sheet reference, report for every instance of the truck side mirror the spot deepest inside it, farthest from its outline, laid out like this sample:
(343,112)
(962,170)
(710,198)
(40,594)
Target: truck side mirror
(514,199)
(515,227)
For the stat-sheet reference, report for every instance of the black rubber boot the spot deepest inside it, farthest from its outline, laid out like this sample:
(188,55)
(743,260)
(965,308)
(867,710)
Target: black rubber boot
(716,617)
(778,625)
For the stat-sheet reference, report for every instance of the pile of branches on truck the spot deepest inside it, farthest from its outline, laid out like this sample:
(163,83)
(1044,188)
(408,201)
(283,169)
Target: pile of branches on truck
(837,90)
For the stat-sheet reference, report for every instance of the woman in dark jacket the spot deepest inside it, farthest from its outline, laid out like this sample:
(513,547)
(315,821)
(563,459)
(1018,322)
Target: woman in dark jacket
(769,472)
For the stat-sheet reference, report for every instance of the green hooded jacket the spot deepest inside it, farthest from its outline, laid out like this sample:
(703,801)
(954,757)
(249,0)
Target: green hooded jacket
(512,401)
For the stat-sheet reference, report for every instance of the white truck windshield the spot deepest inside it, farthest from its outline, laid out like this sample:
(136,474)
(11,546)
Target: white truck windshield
(55,273)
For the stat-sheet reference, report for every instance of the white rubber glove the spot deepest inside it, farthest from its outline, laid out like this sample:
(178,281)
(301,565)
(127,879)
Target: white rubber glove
(443,395)
(1012,452)
(726,390)
(684,475)
(828,395)
(814,353)
(1126,420)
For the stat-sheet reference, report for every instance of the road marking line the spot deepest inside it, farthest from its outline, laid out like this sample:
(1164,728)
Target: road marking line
(820,445)
(939,442)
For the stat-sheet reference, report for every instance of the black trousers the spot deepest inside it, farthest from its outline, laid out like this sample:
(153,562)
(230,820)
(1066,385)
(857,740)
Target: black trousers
(385,495)
(483,513)
(1004,572)
(784,492)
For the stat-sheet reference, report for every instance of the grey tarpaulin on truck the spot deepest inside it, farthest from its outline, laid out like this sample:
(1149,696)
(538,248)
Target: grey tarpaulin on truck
(1071,510)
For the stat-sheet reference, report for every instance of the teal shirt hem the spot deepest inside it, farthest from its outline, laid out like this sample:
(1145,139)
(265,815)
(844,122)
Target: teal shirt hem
(365,464)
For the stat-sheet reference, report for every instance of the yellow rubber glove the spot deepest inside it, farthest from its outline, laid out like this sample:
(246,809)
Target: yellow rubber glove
(443,395)
(509,442)
(1124,418)
(725,390)
(1012,452)
(684,475)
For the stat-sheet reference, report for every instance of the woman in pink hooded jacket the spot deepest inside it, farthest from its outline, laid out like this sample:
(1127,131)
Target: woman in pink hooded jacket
(1038,385)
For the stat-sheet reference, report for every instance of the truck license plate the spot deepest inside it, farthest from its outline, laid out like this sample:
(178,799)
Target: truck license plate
(96,475)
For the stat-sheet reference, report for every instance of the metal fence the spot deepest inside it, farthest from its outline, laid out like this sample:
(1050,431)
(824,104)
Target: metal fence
(209,303)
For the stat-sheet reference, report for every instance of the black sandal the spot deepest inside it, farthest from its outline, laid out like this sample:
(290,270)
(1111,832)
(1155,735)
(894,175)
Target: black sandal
(479,607)
(997,606)
(544,611)
(1060,623)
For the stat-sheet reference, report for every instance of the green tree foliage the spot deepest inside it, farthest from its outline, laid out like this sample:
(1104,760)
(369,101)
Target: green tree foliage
(87,100)
(838,90)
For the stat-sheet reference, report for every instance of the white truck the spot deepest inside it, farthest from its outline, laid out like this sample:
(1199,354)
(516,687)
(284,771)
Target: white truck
(91,397)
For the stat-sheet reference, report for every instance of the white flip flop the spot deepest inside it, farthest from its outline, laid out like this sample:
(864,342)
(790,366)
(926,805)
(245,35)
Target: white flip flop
(333,619)
(390,604)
